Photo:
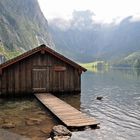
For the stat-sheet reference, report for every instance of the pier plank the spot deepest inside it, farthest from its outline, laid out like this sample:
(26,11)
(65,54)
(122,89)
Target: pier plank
(70,116)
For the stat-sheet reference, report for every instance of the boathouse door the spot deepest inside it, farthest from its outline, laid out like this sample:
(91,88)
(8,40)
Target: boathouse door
(39,79)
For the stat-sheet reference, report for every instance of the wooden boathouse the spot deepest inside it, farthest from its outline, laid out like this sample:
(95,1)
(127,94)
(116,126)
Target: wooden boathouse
(40,70)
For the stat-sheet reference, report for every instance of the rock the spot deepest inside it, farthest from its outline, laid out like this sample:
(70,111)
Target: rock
(61,138)
(33,121)
(6,120)
(6,135)
(8,125)
(23,133)
(38,138)
(60,130)
(28,122)
(40,113)
(1,121)
(99,98)
(45,130)
(49,139)
(87,128)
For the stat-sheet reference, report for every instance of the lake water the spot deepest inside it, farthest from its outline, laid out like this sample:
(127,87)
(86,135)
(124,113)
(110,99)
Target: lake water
(118,112)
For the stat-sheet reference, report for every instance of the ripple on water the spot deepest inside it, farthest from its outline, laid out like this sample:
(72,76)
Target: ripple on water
(119,111)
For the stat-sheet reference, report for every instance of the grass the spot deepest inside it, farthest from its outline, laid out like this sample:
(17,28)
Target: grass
(88,66)
(95,66)
(8,54)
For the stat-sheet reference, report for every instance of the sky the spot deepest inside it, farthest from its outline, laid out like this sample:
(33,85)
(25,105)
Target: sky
(104,10)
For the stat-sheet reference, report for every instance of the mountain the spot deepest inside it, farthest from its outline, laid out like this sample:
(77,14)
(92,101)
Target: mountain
(85,40)
(22,25)
(2,53)
(132,60)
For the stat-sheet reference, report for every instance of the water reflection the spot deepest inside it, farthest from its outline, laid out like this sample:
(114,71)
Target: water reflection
(105,69)
(130,72)
(138,72)
(74,99)
(100,69)
(119,112)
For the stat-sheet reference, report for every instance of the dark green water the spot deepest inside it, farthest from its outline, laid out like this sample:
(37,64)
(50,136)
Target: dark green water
(118,112)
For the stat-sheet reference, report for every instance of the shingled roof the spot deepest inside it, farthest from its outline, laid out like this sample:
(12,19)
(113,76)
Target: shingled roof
(37,49)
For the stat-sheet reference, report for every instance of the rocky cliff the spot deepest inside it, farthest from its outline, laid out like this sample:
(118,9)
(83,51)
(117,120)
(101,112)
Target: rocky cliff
(22,25)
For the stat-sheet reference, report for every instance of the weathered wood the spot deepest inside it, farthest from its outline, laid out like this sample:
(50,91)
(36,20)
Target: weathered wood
(0,72)
(42,51)
(58,73)
(16,74)
(59,68)
(4,83)
(70,116)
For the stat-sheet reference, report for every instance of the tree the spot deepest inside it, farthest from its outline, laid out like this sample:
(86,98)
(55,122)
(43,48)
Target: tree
(137,63)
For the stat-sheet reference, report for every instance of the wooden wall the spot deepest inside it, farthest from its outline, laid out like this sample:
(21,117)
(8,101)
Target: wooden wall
(40,72)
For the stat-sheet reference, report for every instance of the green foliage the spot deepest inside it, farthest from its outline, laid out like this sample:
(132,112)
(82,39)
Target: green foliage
(95,66)
(8,53)
(137,63)
(132,60)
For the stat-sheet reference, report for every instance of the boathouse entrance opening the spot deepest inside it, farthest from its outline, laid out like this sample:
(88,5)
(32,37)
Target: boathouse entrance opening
(39,79)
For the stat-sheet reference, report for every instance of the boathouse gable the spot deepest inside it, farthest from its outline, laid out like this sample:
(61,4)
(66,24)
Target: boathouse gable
(40,70)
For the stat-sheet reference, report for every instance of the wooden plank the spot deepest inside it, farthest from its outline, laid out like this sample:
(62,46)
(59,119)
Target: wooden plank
(13,80)
(70,116)
(59,68)
(23,82)
(10,80)
(4,82)
(16,74)
(40,79)
(28,75)
(0,84)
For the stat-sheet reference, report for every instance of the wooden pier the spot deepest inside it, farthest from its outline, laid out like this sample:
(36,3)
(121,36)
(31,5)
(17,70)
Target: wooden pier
(70,116)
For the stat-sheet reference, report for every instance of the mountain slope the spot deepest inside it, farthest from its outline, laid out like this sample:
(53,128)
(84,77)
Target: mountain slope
(22,25)
(132,60)
(85,40)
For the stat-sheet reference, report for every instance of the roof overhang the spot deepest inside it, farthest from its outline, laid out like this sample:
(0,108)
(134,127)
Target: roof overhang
(43,48)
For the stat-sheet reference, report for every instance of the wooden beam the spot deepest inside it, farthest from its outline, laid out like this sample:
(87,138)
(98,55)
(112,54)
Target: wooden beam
(0,72)
(42,51)
(70,116)
(79,71)
(59,68)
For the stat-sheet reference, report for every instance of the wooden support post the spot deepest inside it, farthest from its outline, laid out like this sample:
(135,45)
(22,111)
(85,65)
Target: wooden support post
(79,72)
(0,72)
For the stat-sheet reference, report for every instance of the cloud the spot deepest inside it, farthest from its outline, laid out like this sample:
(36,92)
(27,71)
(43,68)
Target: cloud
(60,23)
(135,18)
(106,10)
